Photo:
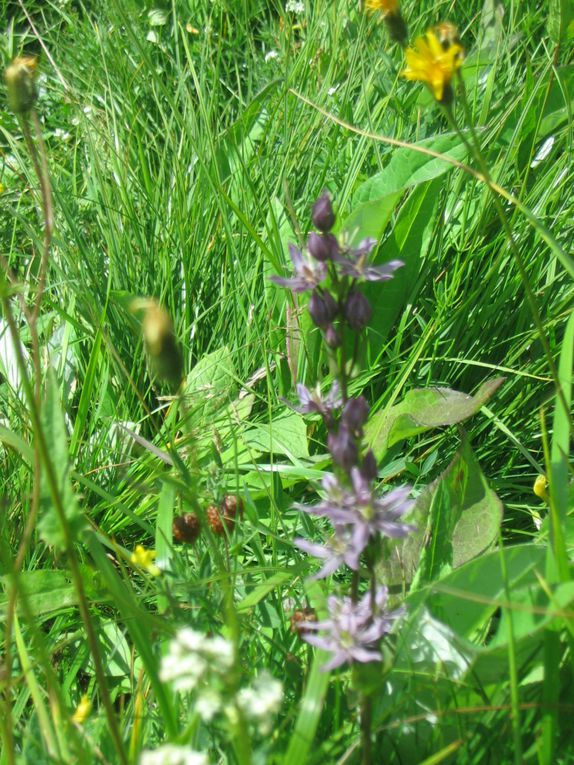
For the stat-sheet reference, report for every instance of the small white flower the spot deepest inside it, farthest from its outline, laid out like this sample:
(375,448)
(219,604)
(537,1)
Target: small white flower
(192,656)
(208,704)
(173,755)
(270,55)
(333,90)
(262,700)
(220,651)
(295,6)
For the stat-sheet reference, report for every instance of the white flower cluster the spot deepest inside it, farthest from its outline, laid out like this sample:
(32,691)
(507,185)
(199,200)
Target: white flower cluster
(198,663)
(260,701)
(295,6)
(173,755)
(192,657)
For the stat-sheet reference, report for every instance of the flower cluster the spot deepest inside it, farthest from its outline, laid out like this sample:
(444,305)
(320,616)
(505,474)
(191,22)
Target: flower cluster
(203,664)
(169,754)
(332,273)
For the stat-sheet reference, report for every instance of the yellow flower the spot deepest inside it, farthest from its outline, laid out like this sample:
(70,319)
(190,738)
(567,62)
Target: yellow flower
(434,63)
(144,559)
(82,710)
(540,486)
(385,6)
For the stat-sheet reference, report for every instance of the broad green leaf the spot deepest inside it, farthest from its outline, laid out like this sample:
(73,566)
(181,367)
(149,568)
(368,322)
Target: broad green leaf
(46,591)
(457,518)
(286,434)
(423,409)
(408,168)
(408,241)
(54,429)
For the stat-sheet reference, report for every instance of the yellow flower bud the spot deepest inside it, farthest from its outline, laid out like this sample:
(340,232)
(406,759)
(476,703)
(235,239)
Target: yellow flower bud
(540,486)
(20,79)
(82,710)
(160,342)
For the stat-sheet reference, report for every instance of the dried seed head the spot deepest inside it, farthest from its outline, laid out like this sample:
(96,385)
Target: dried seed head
(186,528)
(299,617)
(20,79)
(215,520)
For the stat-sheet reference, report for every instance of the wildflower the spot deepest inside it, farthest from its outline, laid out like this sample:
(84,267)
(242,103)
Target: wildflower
(144,559)
(295,6)
(322,246)
(540,487)
(322,308)
(339,549)
(353,629)
(169,754)
(358,310)
(192,657)
(208,704)
(259,702)
(357,266)
(311,401)
(21,87)
(161,344)
(322,213)
(343,448)
(385,6)
(355,414)
(359,508)
(82,710)
(307,276)
(429,62)
(271,55)
(391,16)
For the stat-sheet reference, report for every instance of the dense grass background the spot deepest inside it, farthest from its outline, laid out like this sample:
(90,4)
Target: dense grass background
(183,160)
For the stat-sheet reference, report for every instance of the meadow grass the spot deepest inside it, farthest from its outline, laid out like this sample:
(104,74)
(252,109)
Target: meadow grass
(186,143)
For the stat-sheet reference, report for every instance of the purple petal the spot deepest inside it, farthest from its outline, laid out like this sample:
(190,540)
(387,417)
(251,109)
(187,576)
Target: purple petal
(338,659)
(317,551)
(363,655)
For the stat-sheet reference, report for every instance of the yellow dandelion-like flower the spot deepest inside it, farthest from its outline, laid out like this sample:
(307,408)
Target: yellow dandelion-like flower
(144,559)
(540,487)
(432,62)
(384,6)
(82,710)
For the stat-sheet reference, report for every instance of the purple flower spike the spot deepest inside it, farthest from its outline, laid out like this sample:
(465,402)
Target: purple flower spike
(355,414)
(354,629)
(307,275)
(343,448)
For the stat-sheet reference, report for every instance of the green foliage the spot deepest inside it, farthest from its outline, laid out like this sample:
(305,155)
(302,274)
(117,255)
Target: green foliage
(184,159)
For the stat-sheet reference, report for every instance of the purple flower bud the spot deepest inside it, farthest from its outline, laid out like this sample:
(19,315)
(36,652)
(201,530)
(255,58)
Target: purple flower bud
(369,471)
(355,414)
(343,448)
(322,246)
(322,213)
(358,310)
(322,308)
(332,337)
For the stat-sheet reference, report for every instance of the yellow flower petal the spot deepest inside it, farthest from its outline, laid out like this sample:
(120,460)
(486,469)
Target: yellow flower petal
(82,710)
(430,62)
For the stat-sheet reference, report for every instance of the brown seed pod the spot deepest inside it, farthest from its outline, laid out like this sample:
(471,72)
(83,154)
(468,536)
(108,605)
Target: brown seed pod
(299,617)
(231,507)
(186,528)
(215,520)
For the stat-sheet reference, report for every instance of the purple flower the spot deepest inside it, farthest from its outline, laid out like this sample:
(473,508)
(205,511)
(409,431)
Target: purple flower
(311,401)
(323,308)
(339,549)
(322,246)
(358,310)
(353,629)
(355,414)
(307,275)
(366,514)
(357,266)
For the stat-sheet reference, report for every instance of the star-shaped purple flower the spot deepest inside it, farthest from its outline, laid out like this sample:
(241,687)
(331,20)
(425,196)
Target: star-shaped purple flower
(311,401)
(338,549)
(353,629)
(357,266)
(307,275)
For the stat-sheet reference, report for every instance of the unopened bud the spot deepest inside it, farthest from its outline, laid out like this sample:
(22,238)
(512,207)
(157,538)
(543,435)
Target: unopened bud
(369,471)
(186,528)
(358,310)
(540,488)
(355,414)
(322,246)
(343,448)
(20,79)
(161,345)
(332,337)
(322,213)
(322,308)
